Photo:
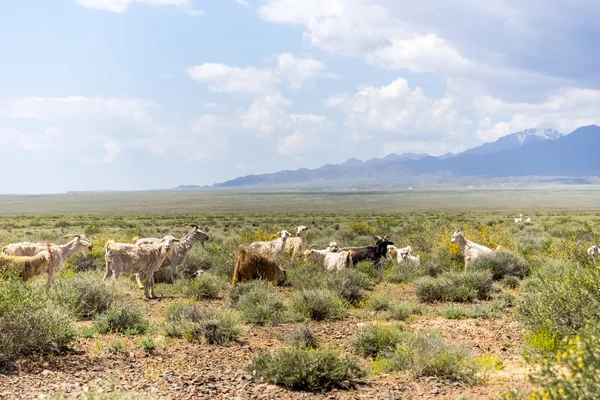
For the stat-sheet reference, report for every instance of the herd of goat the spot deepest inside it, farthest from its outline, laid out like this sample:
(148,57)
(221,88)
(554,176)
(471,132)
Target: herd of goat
(258,260)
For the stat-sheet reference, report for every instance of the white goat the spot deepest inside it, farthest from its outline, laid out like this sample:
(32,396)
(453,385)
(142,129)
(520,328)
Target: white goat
(272,247)
(330,260)
(134,259)
(398,255)
(519,220)
(60,253)
(470,250)
(180,250)
(409,258)
(528,221)
(296,245)
(593,252)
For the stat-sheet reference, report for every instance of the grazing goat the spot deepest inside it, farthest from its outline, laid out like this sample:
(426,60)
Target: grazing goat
(330,260)
(593,252)
(60,253)
(528,221)
(296,245)
(134,259)
(371,253)
(180,250)
(26,267)
(519,220)
(272,247)
(470,250)
(398,255)
(409,258)
(251,265)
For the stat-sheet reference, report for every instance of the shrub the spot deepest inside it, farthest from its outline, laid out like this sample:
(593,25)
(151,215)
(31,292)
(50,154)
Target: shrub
(426,354)
(148,344)
(403,310)
(31,323)
(303,338)
(308,370)
(510,282)
(380,302)
(429,289)
(236,292)
(122,318)
(572,373)
(205,286)
(360,228)
(376,339)
(501,264)
(319,304)
(116,347)
(454,286)
(559,299)
(195,323)
(350,285)
(259,305)
(455,312)
(404,272)
(306,276)
(85,294)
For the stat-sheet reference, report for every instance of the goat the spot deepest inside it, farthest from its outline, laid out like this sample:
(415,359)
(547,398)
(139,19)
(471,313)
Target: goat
(593,252)
(528,221)
(519,220)
(407,257)
(470,250)
(251,265)
(296,245)
(329,260)
(272,247)
(60,253)
(370,253)
(180,250)
(26,267)
(142,259)
(398,255)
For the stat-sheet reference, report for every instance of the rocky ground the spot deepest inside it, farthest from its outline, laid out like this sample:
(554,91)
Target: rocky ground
(179,369)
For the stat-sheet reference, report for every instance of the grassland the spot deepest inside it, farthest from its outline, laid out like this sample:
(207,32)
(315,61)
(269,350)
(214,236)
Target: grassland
(432,331)
(268,201)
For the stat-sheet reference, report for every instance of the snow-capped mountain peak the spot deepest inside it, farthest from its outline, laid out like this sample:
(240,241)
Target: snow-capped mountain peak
(544,134)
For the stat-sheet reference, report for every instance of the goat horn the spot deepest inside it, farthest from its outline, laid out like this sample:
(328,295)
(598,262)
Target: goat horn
(193,226)
(72,236)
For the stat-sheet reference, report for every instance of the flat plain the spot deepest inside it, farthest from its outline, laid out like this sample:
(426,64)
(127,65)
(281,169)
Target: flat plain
(481,333)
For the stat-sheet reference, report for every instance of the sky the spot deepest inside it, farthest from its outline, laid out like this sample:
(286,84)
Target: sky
(152,94)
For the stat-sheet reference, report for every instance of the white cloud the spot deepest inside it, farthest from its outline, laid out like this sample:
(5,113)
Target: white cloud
(297,70)
(242,3)
(564,109)
(423,53)
(119,6)
(265,115)
(221,78)
(307,132)
(397,110)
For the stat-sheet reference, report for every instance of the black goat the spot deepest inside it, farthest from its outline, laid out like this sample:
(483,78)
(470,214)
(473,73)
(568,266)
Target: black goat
(372,253)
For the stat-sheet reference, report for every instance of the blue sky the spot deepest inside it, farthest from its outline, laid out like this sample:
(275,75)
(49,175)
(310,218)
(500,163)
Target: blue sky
(145,94)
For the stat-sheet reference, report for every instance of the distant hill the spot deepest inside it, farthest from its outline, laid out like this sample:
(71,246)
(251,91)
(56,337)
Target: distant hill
(511,141)
(533,152)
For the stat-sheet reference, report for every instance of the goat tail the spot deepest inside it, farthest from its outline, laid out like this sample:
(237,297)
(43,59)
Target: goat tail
(348,262)
(498,248)
(107,246)
(237,273)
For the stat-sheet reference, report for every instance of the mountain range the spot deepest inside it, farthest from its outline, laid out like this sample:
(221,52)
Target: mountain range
(539,153)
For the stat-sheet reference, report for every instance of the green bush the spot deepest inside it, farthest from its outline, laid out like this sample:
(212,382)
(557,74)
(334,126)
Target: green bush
(404,272)
(501,264)
(86,295)
(116,347)
(303,338)
(350,285)
(380,302)
(307,370)
(560,299)
(30,323)
(196,323)
(402,311)
(237,291)
(426,354)
(205,286)
(377,338)
(306,276)
(572,373)
(148,344)
(454,286)
(260,305)
(124,318)
(319,304)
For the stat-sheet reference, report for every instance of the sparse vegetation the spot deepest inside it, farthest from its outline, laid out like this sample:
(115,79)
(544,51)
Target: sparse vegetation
(122,318)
